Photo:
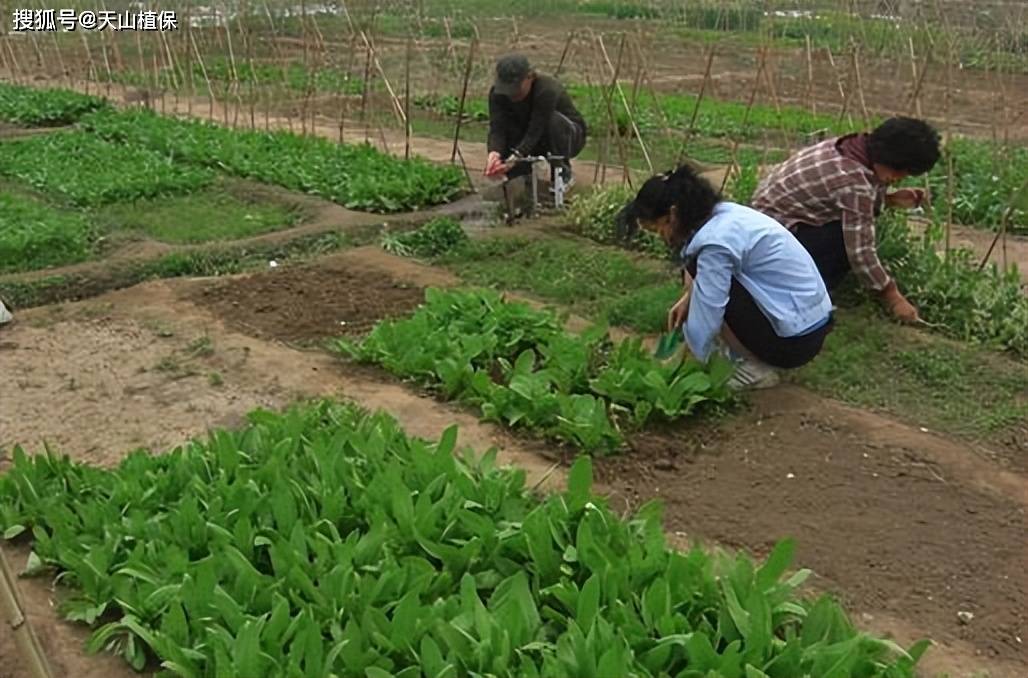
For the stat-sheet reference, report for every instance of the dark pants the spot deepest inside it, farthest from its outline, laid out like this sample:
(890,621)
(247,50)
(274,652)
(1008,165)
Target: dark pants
(828,249)
(562,137)
(755,332)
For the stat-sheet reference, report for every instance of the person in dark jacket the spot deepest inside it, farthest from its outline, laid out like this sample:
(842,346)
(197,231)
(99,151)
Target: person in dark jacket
(530,114)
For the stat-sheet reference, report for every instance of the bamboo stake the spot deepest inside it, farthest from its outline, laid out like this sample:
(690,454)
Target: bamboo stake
(65,72)
(406,101)
(203,71)
(25,638)
(90,64)
(169,55)
(838,81)
(467,174)
(107,62)
(609,100)
(696,108)
(320,64)
(351,52)
(810,78)
(306,100)
(16,72)
(1001,233)
(189,61)
(451,50)
(40,59)
(665,120)
(233,74)
(602,154)
(397,107)
(772,90)
(463,99)
(282,87)
(616,86)
(365,92)
(3,61)
(762,62)
(139,51)
(564,54)
(916,103)
(915,100)
(157,89)
(244,35)
(860,84)
(949,147)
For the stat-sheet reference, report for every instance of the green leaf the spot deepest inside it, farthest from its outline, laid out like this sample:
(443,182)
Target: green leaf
(580,481)
(246,652)
(777,563)
(588,603)
(447,442)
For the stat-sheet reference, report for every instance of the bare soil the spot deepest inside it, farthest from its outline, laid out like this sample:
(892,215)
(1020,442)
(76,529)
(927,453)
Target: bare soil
(307,304)
(896,521)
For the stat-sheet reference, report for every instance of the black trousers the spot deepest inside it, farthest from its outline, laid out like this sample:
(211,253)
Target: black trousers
(828,249)
(754,331)
(563,137)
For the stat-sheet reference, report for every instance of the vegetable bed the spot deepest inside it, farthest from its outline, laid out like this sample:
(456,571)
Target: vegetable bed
(44,108)
(87,171)
(324,542)
(358,177)
(522,368)
(34,235)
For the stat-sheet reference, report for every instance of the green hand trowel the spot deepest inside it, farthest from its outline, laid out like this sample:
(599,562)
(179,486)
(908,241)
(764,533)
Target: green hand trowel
(667,346)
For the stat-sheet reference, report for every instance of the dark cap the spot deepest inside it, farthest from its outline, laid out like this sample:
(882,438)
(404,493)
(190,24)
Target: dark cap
(511,69)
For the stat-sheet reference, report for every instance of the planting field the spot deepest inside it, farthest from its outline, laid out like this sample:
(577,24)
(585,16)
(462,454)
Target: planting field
(284,398)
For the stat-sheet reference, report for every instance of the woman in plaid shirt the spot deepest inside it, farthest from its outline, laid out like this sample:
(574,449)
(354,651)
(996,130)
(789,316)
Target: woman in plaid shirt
(829,194)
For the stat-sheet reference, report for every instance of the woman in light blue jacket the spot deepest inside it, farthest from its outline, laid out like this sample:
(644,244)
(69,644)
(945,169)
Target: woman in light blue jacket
(754,285)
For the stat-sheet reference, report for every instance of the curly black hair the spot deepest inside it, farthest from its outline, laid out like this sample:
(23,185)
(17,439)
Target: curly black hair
(693,197)
(905,144)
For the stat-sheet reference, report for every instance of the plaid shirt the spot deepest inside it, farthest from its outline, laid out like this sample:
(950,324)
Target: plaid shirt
(819,185)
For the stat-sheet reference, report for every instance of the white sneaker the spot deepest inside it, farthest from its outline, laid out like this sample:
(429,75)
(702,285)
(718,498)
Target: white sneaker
(5,315)
(752,375)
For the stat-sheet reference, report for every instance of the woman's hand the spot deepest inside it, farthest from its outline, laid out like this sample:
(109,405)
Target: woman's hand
(898,306)
(676,317)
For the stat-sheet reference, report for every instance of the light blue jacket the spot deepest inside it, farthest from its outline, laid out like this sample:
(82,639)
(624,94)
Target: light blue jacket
(767,260)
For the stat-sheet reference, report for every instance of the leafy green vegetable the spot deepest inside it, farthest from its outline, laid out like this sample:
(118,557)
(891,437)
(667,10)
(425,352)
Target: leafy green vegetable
(325,542)
(435,238)
(593,215)
(34,235)
(987,306)
(358,177)
(520,367)
(88,171)
(45,108)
